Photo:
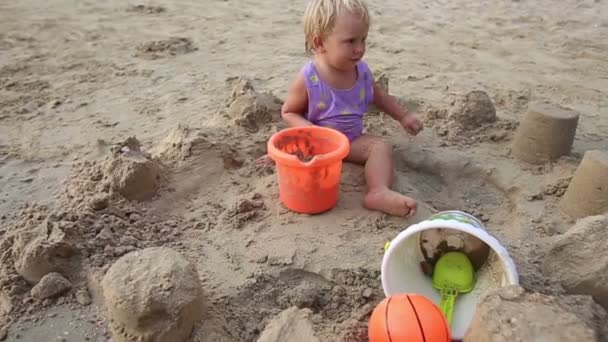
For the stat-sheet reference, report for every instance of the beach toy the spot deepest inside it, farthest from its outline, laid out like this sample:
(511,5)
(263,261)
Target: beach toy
(407,317)
(309,166)
(453,275)
(411,256)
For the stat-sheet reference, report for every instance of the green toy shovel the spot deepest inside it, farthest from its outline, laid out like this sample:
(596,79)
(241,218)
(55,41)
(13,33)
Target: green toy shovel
(453,274)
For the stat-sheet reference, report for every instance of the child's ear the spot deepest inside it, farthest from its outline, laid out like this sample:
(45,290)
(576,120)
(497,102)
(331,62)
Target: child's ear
(317,44)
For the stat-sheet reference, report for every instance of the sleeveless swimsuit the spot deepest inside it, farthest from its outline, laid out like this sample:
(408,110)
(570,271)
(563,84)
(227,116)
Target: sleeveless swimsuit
(339,109)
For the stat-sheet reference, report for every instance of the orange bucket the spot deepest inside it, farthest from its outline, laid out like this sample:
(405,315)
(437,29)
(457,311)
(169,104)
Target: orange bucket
(309,166)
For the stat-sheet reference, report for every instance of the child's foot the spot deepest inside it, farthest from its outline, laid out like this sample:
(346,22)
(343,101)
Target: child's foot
(390,202)
(265,160)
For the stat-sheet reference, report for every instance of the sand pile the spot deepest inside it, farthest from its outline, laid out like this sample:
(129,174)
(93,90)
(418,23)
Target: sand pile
(578,259)
(292,324)
(183,142)
(469,119)
(473,110)
(511,314)
(51,285)
(153,295)
(338,305)
(177,145)
(95,223)
(250,109)
(58,242)
(128,172)
(45,245)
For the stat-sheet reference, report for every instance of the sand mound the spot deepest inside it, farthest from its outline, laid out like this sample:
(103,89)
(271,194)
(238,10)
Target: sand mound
(510,314)
(152,295)
(292,324)
(70,242)
(98,218)
(578,259)
(183,142)
(51,285)
(128,172)
(473,110)
(43,247)
(469,119)
(339,302)
(165,48)
(512,100)
(76,240)
(177,145)
(38,243)
(250,109)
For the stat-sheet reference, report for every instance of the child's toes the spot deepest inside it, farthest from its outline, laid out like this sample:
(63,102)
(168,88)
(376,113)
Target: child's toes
(390,202)
(265,160)
(412,206)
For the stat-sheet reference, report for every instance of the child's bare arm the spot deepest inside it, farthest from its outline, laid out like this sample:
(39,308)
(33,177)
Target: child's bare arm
(391,106)
(296,103)
(388,104)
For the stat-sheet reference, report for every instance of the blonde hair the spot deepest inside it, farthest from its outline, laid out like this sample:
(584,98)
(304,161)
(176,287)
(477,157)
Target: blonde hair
(320,17)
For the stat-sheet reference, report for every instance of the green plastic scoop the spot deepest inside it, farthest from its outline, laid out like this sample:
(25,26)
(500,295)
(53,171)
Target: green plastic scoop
(453,274)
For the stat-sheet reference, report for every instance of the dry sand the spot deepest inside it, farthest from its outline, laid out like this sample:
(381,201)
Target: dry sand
(199,85)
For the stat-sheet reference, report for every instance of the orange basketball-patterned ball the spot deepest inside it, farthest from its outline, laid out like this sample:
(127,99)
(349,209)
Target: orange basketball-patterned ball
(407,318)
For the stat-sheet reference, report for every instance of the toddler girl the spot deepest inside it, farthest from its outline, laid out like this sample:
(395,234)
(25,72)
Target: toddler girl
(335,87)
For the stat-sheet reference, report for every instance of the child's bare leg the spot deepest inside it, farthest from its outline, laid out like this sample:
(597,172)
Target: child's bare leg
(376,155)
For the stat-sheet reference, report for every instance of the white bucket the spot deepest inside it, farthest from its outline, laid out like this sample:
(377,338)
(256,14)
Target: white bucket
(402,271)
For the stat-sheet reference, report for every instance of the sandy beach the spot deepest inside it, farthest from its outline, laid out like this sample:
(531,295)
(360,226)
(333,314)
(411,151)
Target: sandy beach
(195,88)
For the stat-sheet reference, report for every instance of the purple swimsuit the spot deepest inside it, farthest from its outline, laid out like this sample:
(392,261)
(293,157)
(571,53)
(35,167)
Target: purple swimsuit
(336,108)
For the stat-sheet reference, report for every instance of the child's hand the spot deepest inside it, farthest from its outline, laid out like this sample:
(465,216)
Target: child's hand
(411,124)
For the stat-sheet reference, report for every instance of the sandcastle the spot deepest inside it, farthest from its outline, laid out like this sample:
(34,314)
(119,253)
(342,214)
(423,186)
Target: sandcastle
(587,193)
(546,133)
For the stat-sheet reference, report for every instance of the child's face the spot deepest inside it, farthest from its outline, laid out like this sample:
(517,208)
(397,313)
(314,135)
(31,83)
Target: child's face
(345,45)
